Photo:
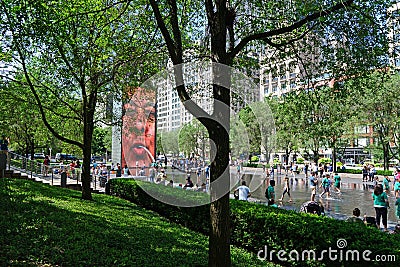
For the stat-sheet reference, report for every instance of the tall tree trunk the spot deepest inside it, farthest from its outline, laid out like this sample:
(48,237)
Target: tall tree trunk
(219,240)
(87,152)
(219,248)
(85,176)
(287,152)
(386,156)
(334,156)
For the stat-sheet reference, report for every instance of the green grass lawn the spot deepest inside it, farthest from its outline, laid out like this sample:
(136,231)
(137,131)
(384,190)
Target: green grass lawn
(42,225)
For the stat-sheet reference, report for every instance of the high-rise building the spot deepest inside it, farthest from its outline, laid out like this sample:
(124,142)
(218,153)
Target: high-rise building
(171,113)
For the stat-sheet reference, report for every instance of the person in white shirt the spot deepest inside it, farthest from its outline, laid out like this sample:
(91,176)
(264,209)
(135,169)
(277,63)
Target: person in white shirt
(244,191)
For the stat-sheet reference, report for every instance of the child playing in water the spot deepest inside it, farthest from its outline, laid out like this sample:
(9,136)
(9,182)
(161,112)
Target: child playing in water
(337,182)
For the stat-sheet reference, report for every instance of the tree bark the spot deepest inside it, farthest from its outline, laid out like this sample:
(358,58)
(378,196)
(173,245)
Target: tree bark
(386,156)
(88,127)
(334,157)
(219,240)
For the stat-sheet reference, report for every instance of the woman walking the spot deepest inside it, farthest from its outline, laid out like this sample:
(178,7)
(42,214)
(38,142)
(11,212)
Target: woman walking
(286,189)
(381,204)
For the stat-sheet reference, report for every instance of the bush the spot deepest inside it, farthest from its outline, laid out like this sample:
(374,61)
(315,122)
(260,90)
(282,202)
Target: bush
(353,171)
(324,160)
(358,171)
(255,226)
(276,161)
(253,165)
(193,218)
(300,161)
(339,164)
(384,172)
(255,158)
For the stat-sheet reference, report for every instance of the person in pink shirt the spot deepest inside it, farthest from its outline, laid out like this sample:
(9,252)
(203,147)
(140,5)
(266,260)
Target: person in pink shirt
(396,186)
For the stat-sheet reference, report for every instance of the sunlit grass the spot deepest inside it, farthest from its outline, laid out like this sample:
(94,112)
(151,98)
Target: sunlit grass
(48,226)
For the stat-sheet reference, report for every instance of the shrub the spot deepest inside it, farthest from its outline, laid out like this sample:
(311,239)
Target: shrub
(353,171)
(384,172)
(358,171)
(300,161)
(255,226)
(254,158)
(253,165)
(324,160)
(339,164)
(277,161)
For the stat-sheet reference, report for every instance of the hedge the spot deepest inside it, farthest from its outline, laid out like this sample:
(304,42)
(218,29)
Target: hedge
(255,226)
(253,165)
(358,171)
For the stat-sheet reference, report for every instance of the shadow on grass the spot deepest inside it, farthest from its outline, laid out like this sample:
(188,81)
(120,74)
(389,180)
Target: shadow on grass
(43,224)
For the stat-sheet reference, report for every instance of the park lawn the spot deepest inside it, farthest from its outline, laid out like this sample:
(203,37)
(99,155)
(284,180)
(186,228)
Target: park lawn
(42,225)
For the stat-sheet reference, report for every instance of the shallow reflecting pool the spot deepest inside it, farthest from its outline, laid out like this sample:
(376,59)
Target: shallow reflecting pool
(355,194)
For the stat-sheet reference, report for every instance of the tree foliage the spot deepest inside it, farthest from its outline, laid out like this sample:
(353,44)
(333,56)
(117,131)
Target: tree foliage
(73,55)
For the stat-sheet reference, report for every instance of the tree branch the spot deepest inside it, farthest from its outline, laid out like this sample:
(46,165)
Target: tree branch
(294,26)
(164,31)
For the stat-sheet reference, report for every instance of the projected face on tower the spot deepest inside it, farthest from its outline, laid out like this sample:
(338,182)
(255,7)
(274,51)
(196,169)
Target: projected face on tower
(138,128)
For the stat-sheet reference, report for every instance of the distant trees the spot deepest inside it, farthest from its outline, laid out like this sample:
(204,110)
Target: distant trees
(193,139)
(71,55)
(377,101)
(308,120)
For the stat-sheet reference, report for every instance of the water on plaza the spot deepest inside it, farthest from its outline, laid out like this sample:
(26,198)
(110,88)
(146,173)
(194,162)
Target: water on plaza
(354,193)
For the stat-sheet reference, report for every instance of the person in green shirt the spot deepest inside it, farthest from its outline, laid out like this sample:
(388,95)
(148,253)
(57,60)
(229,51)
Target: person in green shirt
(270,191)
(337,180)
(398,208)
(325,184)
(386,186)
(381,204)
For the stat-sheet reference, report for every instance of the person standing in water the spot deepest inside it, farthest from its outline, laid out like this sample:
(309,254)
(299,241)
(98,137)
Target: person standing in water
(286,189)
(337,180)
(381,205)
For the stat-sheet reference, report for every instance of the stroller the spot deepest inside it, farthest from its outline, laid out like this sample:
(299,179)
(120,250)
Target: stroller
(312,207)
(103,181)
(370,221)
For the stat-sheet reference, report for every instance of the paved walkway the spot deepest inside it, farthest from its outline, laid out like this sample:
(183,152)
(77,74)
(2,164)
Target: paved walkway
(55,180)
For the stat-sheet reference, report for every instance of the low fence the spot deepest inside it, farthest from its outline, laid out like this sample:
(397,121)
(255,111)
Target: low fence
(55,173)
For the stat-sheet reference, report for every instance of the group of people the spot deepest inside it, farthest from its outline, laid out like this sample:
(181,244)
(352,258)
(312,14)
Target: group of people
(368,173)
(243,192)
(325,184)
(379,195)
(381,206)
